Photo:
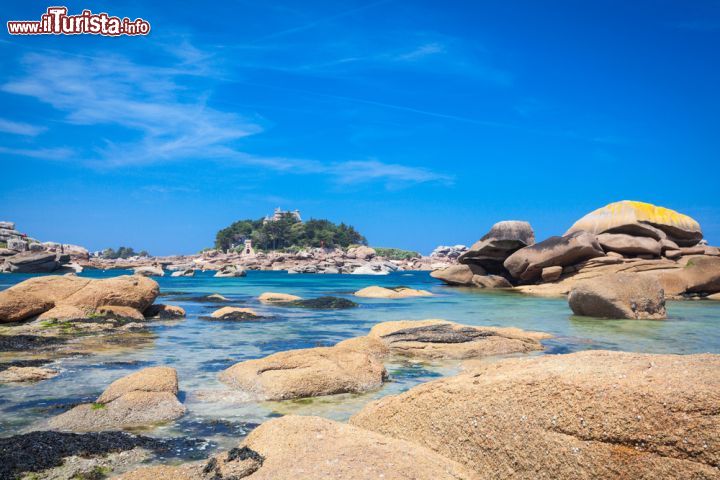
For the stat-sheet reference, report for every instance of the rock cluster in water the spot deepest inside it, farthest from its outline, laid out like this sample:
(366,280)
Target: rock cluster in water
(632,238)
(22,254)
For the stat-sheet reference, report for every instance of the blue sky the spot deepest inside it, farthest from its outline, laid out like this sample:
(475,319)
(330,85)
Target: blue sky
(420,123)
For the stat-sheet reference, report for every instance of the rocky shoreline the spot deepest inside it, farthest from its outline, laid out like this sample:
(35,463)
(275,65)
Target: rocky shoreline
(509,412)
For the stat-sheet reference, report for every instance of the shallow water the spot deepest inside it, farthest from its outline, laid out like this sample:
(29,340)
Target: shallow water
(199,349)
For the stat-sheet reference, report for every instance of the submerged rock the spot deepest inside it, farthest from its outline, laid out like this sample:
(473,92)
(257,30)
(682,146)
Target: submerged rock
(500,242)
(620,295)
(26,374)
(142,398)
(527,263)
(41,451)
(641,219)
(301,447)
(234,314)
(308,372)
(592,414)
(323,303)
(397,292)
(443,339)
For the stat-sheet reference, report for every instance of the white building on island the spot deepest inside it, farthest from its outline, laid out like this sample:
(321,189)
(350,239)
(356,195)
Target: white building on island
(279,214)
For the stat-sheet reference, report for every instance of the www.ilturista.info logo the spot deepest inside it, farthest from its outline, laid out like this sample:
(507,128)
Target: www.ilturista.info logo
(57,22)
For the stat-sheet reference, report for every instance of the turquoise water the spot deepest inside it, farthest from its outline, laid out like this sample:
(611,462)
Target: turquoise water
(199,349)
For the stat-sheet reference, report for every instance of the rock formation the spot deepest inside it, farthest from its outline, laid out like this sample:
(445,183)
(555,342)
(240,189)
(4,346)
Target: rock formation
(308,372)
(295,447)
(59,297)
(141,398)
(619,295)
(592,414)
(437,339)
(499,243)
(397,292)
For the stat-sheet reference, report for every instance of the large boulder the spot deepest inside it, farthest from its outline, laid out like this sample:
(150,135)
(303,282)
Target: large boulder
(69,295)
(500,242)
(32,262)
(527,263)
(308,372)
(149,271)
(397,292)
(301,447)
(641,219)
(362,252)
(700,274)
(619,295)
(439,339)
(460,275)
(143,398)
(593,414)
(231,271)
(629,244)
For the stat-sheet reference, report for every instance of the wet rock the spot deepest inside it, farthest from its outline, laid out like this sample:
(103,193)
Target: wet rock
(323,303)
(460,275)
(527,263)
(164,312)
(235,314)
(42,450)
(397,292)
(629,245)
(295,447)
(592,414)
(26,374)
(306,373)
(21,343)
(142,398)
(641,219)
(274,297)
(437,339)
(41,294)
(120,313)
(620,295)
(500,242)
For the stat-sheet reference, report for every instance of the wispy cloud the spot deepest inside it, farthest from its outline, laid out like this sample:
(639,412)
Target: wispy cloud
(161,114)
(18,128)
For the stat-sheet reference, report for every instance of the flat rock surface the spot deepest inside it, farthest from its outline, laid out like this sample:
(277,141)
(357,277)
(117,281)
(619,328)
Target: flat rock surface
(593,414)
(306,373)
(444,339)
(398,292)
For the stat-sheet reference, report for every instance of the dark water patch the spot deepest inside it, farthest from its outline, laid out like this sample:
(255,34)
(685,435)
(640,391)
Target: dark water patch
(122,364)
(216,365)
(281,345)
(50,406)
(171,293)
(19,343)
(207,299)
(209,427)
(410,370)
(38,451)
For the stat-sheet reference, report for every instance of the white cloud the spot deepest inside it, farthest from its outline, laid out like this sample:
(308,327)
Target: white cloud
(18,128)
(162,118)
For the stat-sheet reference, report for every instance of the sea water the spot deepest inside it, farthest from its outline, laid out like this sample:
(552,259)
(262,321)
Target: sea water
(199,349)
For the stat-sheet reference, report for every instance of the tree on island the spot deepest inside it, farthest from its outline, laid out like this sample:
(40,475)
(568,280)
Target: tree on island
(123,252)
(287,232)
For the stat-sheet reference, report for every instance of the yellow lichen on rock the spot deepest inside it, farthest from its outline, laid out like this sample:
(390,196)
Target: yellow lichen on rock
(640,218)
